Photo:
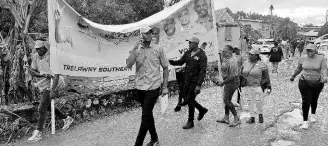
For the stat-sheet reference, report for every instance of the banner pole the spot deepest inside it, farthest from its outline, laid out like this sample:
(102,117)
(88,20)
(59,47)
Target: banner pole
(215,37)
(53,116)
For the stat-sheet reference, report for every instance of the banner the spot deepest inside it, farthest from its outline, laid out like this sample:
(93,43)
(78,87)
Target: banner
(79,47)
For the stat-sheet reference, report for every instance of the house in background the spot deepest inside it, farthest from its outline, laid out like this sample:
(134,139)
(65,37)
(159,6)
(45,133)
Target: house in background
(259,25)
(229,28)
(310,36)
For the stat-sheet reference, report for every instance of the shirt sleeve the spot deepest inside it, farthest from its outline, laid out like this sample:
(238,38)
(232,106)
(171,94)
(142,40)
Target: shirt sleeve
(202,72)
(163,58)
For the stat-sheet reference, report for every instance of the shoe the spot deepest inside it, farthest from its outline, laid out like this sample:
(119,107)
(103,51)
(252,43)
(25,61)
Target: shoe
(201,114)
(153,143)
(235,123)
(251,120)
(312,118)
(67,122)
(261,120)
(37,135)
(184,103)
(188,125)
(305,125)
(223,120)
(177,108)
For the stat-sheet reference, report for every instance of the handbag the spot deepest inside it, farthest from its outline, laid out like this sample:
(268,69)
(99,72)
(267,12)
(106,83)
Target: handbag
(243,80)
(312,83)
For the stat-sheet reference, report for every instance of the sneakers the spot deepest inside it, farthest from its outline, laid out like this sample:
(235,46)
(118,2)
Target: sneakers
(153,143)
(201,114)
(224,120)
(251,120)
(235,122)
(177,108)
(189,125)
(305,125)
(261,120)
(37,135)
(312,118)
(67,122)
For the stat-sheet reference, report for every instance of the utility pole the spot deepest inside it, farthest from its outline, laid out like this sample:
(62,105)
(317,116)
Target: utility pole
(271,28)
(326,16)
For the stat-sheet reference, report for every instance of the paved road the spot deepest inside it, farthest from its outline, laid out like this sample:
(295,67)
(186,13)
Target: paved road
(121,129)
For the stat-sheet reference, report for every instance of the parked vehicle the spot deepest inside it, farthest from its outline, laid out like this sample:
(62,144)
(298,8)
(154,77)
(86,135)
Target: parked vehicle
(321,39)
(264,45)
(323,49)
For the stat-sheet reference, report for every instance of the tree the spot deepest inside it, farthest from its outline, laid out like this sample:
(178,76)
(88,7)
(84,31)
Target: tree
(286,29)
(308,25)
(323,30)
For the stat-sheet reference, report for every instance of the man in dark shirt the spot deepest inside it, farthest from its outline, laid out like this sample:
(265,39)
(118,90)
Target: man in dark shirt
(195,71)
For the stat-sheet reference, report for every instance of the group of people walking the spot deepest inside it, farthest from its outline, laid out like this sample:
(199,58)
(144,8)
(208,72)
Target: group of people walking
(248,76)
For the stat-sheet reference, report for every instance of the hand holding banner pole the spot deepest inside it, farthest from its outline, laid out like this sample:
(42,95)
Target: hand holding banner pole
(53,116)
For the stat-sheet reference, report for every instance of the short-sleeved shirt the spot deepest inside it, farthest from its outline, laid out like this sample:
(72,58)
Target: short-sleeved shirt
(312,67)
(240,61)
(42,65)
(254,78)
(229,67)
(148,67)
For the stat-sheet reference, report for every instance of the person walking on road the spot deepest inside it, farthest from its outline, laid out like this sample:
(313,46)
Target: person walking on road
(258,83)
(314,74)
(275,56)
(230,75)
(240,61)
(301,45)
(195,72)
(40,69)
(148,59)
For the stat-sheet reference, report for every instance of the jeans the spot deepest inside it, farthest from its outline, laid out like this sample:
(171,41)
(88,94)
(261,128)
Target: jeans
(192,103)
(310,96)
(275,66)
(44,106)
(228,91)
(147,99)
(256,97)
(238,94)
(180,81)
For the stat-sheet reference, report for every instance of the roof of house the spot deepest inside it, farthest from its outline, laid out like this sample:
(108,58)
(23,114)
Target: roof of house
(223,20)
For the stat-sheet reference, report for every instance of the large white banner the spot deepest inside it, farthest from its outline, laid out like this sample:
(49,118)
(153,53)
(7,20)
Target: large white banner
(80,47)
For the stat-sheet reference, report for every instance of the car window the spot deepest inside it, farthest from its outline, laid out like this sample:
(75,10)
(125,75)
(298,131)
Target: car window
(269,42)
(323,48)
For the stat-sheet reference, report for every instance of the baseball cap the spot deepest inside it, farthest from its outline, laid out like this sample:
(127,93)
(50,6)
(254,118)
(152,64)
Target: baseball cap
(254,51)
(310,47)
(145,29)
(40,44)
(193,39)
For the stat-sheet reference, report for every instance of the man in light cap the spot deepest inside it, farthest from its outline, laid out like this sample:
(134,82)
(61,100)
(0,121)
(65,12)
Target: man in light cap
(148,59)
(230,74)
(195,72)
(40,69)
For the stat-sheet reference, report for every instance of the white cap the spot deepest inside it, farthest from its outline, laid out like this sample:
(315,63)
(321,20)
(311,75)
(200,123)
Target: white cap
(145,29)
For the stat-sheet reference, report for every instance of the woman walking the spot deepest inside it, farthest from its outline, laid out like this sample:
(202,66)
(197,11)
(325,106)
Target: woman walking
(275,56)
(257,82)
(311,82)
(230,74)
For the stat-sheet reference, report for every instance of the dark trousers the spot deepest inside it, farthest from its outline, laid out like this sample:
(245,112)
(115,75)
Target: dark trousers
(192,103)
(180,81)
(147,99)
(228,91)
(293,51)
(238,95)
(310,96)
(44,106)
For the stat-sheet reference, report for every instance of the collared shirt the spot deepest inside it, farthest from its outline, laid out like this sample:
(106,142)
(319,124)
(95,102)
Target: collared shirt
(256,73)
(148,62)
(229,67)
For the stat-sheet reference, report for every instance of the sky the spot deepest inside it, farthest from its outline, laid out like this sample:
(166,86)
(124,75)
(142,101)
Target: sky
(300,11)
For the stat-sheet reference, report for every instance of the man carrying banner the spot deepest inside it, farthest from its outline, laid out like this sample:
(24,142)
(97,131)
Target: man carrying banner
(47,84)
(195,72)
(148,59)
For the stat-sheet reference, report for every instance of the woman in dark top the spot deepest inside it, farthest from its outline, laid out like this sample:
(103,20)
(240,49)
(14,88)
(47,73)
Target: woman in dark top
(275,56)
